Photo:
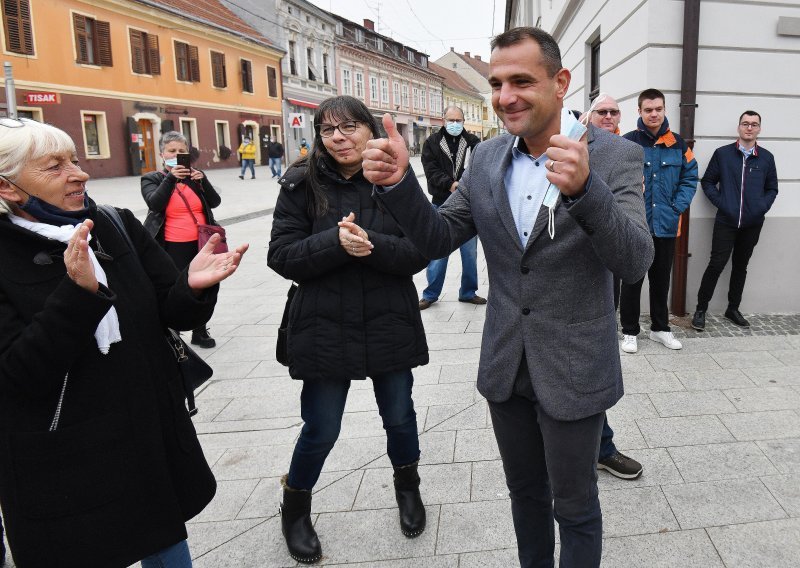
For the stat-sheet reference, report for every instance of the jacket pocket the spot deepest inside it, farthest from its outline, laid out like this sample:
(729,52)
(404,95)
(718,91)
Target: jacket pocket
(74,469)
(593,354)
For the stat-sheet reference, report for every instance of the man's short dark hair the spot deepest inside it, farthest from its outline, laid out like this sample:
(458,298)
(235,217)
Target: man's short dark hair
(651,95)
(551,54)
(750,113)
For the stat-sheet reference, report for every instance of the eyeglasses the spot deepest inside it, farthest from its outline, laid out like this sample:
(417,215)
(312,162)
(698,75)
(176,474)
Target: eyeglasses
(348,127)
(455,120)
(606,111)
(9,122)
(749,125)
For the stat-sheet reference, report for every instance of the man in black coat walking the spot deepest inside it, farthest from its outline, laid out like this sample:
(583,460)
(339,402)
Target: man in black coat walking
(275,153)
(445,156)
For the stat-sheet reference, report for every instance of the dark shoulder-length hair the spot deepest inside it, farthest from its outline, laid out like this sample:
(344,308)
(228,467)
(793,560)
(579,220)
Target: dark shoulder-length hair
(331,111)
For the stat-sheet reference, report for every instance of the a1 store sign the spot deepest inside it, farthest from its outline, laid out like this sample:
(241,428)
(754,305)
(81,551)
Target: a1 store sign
(42,98)
(297,120)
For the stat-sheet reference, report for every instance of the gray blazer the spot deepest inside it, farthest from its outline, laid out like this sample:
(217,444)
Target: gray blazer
(552,300)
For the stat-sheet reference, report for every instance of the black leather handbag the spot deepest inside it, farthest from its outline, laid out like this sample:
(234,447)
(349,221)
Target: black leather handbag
(194,370)
(282,346)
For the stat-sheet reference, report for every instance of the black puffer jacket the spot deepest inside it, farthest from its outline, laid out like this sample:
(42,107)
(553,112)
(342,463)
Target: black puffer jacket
(351,317)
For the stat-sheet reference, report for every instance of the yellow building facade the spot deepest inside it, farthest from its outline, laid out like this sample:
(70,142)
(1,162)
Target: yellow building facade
(116,74)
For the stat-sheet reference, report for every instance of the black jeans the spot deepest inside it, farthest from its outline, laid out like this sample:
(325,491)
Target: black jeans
(724,240)
(551,471)
(658,276)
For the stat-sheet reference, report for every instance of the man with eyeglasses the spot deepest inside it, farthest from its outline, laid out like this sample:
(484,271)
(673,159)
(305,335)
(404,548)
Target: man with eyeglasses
(604,113)
(742,183)
(670,180)
(445,156)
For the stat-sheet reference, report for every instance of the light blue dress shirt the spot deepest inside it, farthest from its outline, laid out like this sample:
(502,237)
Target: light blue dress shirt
(526,186)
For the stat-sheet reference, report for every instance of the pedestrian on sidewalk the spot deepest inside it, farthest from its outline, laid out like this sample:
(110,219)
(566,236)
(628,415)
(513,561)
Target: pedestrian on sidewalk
(99,462)
(445,157)
(247,154)
(176,197)
(549,365)
(275,154)
(741,181)
(354,315)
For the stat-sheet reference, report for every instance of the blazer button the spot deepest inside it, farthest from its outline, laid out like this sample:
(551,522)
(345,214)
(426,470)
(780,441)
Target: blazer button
(524,269)
(526,311)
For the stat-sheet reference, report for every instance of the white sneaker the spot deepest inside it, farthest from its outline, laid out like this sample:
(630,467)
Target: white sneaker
(666,338)
(629,344)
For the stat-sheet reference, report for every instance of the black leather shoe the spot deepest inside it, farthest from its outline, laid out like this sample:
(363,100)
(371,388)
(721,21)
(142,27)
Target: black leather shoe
(301,538)
(477,300)
(201,338)
(736,317)
(425,304)
(409,501)
(699,320)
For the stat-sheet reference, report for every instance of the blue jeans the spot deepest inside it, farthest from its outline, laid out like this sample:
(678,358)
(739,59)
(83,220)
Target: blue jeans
(437,269)
(607,447)
(275,166)
(322,406)
(175,556)
(248,164)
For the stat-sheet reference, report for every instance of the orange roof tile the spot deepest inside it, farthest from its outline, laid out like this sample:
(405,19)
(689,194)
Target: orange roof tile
(480,66)
(453,79)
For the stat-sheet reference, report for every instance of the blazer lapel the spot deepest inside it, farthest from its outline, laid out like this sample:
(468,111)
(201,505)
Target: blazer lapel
(500,195)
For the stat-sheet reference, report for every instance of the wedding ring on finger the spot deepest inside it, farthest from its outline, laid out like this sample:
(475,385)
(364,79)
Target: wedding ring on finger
(552,167)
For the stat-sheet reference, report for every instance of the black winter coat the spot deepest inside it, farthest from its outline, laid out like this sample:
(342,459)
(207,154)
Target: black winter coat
(440,169)
(124,470)
(351,318)
(157,188)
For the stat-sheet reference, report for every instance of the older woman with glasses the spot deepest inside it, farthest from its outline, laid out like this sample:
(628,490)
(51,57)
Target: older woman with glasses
(99,462)
(354,315)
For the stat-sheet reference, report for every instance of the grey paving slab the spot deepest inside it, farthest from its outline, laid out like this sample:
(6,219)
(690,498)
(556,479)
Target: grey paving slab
(784,454)
(657,469)
(786,490)
(258,547)
(450,561)
(223,426)
(475,416)
(251,438)
(441,341)
(354,453)
(452,393)
(684,549)
(632,406)
(466,372)
(488,481)
(681,431)
(253,463)
(477,526)
(764,398)
(636,511)
(677,361)
(476,445)
(439,413)
(263,386)
(263,501)
(787,356)
(721,461)
(717,503)
(635,363)
(627,435)
(208,409)
(258,407)
(763,425)
(502,558)
(228,501)
(454,356)
(713,379)
(205,537)
(691,403)
(336,491)
(652,382)
(268,368)
(447,327)
(441,483)
(756,545)
(435,447)
(232,370)
(745,359)
(775,376)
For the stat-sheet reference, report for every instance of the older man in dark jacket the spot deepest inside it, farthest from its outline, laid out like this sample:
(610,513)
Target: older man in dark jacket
(445,156)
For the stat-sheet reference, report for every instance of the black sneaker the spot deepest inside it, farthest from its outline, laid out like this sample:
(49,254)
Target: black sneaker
(620,465)
(201,338)
(736,317)
(699,320)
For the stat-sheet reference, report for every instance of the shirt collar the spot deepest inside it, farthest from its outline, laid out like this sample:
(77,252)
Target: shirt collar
(519,150)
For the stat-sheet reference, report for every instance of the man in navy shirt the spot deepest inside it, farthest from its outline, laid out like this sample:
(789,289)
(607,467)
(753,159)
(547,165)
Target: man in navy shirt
(742,183)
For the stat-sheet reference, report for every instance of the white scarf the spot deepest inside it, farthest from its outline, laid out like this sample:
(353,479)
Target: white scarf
(107,331)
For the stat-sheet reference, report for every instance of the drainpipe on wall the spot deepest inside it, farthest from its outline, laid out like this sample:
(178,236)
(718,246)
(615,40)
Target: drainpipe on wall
(11,92)
(688,104)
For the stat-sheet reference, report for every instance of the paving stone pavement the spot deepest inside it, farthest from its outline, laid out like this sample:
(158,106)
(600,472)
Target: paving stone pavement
(716,425)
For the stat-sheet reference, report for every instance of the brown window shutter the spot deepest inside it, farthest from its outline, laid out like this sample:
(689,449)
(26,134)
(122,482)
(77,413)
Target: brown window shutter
(272,82)
(81,38)
(103,43)
(247,76)
(153,54)
(182,61)
(137,52)
(194,64)
(218,66)
(19,36)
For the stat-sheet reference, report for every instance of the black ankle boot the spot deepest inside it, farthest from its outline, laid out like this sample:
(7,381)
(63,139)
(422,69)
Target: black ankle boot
(301,538)
(201,338)
(409,501)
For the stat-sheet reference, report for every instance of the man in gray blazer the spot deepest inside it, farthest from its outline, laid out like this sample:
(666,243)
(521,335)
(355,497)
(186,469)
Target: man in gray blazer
(549,363)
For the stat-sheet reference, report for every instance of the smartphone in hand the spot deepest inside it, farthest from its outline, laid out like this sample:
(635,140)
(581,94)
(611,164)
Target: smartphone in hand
(184,160)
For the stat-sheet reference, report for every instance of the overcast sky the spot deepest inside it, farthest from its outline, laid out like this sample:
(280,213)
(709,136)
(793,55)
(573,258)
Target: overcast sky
(432,26)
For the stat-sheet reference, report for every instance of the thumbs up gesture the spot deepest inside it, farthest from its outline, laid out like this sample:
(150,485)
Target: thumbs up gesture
(385,160)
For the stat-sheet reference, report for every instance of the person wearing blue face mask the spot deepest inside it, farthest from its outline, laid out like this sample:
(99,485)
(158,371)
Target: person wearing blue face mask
(445,156)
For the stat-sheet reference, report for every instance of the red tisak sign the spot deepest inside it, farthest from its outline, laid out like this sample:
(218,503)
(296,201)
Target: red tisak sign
(42,98)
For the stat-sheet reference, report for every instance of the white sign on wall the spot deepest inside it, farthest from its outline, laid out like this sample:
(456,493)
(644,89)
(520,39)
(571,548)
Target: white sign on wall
(297,120)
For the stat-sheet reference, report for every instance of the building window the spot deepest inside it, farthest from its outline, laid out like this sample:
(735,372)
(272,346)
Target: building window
(379,44)
(292,59)
(145,56)
(423,61)
(594,70)
(385,91)
(325,68)
(415,97)
(359,84)
(92,41)
(223,135)
(189,130)
(373,89)
(411,57)
(95,135)
(347,85)
(272,81)
(310,64)
(219,74)
(187,62)
(359,35)
(405,96)
(396,93)
(423,98)
(247,75)
(19,35)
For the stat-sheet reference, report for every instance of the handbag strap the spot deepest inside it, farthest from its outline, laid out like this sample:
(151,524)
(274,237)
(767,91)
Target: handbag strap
(186,202)
(57,416)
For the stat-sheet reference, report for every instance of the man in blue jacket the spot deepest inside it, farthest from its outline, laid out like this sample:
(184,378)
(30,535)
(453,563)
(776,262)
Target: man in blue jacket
(670,180)
(742,183)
